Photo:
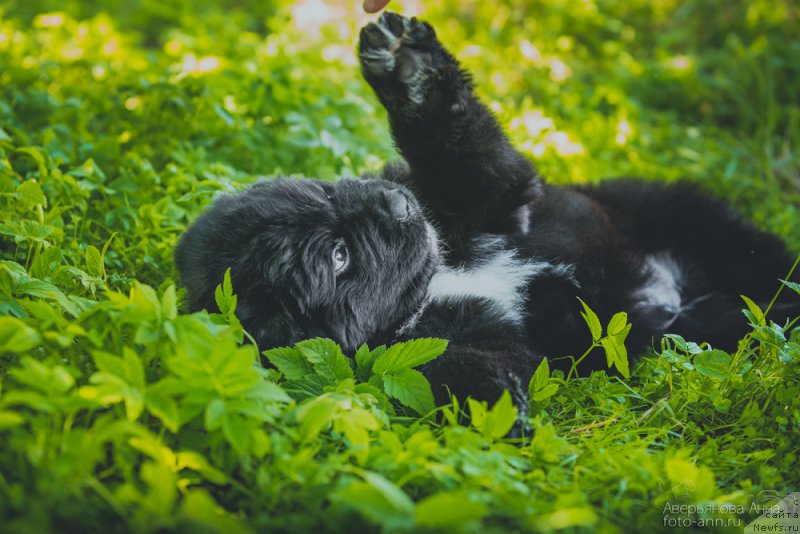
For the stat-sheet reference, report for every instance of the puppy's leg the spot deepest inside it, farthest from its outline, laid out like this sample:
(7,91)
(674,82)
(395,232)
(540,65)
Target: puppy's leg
(461,164)
(715,254)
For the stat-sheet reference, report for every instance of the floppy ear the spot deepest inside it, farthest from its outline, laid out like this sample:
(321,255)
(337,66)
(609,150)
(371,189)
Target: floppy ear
(301,275)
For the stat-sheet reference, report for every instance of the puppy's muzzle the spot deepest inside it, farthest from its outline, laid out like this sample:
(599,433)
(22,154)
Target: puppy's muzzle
(397,204)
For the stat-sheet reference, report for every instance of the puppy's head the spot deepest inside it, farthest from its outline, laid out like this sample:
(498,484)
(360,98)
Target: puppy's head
(349,261)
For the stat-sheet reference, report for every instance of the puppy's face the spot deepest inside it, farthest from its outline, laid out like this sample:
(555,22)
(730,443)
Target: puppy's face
(350,260)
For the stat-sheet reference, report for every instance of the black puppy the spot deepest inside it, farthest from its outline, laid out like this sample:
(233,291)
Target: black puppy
(463,241)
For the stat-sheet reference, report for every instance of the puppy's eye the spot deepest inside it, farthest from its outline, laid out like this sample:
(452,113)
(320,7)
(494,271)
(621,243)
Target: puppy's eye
(341,258)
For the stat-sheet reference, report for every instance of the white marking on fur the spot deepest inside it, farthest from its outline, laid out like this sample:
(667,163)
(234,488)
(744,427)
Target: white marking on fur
(417,84)
(394,41)
(433,241)
(414,76)
(662,288)
(501,279)
(523,216)
(384,59)
(412,321)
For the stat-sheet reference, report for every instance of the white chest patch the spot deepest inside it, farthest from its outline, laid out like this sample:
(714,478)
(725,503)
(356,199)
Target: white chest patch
(662,288)
(501,279)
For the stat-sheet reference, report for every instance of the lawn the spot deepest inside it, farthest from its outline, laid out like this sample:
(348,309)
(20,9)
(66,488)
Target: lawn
(119,411)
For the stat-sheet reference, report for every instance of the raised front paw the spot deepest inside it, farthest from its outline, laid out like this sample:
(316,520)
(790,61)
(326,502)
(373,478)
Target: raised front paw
(399,57)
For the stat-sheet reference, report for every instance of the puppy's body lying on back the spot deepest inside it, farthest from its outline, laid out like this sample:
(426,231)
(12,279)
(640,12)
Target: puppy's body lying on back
(463,241)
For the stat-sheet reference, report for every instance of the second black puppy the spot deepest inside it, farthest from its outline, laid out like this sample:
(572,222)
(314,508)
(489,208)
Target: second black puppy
(463,241)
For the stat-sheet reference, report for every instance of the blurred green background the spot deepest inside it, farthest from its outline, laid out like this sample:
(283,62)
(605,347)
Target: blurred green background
(120,120)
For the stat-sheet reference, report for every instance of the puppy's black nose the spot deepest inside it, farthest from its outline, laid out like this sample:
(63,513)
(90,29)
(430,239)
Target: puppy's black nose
(396,203)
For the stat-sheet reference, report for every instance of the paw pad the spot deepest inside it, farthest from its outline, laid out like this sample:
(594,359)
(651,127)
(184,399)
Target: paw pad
(399,49)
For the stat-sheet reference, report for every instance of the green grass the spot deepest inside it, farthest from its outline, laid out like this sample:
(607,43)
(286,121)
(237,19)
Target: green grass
(119,121)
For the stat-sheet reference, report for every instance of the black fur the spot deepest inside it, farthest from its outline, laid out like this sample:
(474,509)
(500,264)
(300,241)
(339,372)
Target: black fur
(460,174)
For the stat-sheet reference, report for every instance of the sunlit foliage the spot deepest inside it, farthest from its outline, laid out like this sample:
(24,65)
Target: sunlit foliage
(119,122)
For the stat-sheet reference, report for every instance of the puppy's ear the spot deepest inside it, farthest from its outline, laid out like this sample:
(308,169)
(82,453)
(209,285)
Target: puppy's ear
(301,275)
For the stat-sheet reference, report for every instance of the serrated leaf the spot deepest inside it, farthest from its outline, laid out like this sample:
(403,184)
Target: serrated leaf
(289,361)
(327,358)
(592,321)
(223,295)
(411,388)
(714,363)
(409,354)
(365,359)
(616,354)
(501,418)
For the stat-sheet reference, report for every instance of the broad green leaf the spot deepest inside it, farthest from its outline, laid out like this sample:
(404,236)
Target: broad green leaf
(540,378)
(411,388)
(365,359)
(10,419)
(224,297)
(477,412)
(616,354)
(16,336)
(327,358)
(134,368)
(31,193)
(37,156)
(545,393)
(379,500)
(197,462)
(617,324)
(714,363)
(108,363)
(268,391)
(755,311)
(592,321)
(356,424)
(236,431)
(448,510)
(169,303)
(165,408)
(201,509)
(94,262)
(315,414)
(409,354)
(162,489)
(289,361)
(501,418)
(214,414)
(565,518)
